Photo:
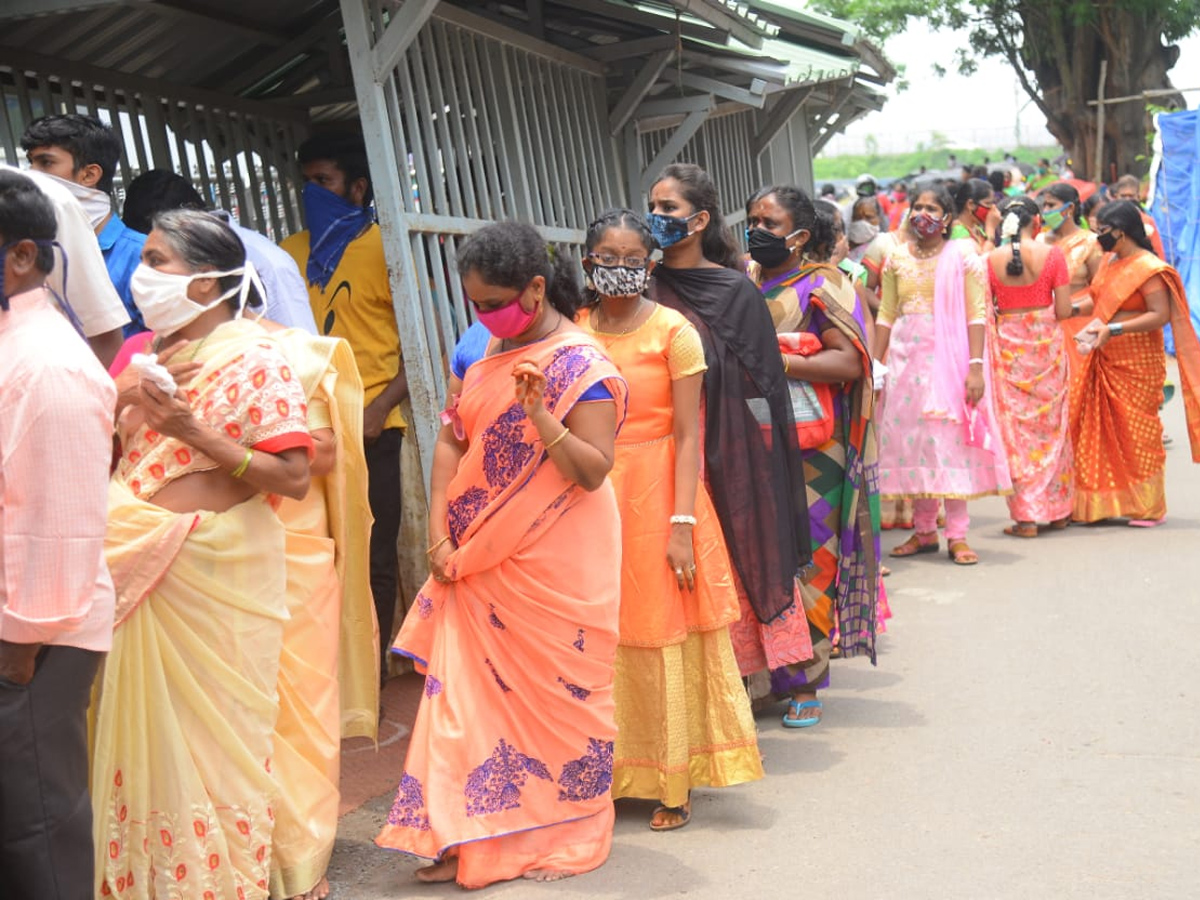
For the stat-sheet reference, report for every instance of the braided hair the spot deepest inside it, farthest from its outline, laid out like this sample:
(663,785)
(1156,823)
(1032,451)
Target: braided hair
(1016,213)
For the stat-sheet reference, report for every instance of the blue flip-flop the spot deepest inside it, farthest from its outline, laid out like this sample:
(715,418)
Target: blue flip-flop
(791,719)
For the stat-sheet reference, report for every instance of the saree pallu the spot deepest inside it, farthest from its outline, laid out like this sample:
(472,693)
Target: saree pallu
(842,593)
(328,670)
(182,791)
(1119,456)
(510,761)
(1032,396)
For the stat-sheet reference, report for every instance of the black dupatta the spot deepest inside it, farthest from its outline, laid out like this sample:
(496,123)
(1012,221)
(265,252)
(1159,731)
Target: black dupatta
(752,456)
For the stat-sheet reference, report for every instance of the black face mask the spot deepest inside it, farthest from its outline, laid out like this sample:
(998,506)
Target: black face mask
(1107,241)
(767,249)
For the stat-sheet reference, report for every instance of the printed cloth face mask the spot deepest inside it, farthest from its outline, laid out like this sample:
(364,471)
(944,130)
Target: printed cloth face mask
(1053,219)
(926,225)
(619,281)
(669,230)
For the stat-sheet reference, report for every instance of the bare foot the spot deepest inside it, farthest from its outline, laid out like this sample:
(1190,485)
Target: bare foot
(320,892)
(445,870)
(547,875)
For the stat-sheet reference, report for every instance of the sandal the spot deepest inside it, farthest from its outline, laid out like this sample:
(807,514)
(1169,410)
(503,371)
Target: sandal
(961,554)
(1060,524)
(914,546)
(793,719)
(683,812)
(1022,530)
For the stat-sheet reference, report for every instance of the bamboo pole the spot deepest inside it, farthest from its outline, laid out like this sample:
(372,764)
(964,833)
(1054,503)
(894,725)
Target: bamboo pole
(1097,163)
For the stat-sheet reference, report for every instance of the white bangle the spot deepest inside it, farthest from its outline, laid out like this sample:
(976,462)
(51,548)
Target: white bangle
(683,520)
(975,359)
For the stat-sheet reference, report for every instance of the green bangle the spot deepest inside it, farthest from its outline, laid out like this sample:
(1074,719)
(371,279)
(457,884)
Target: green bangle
(244,465)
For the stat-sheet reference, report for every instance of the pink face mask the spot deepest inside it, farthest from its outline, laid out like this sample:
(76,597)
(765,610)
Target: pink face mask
(509,320)
(925,225)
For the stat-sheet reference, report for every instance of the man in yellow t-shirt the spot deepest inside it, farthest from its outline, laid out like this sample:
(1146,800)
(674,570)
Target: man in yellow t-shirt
(341,255)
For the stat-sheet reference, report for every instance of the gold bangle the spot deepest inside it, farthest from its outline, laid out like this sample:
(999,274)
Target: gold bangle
(787,365)
(562,436)
(431,550)
(244,465)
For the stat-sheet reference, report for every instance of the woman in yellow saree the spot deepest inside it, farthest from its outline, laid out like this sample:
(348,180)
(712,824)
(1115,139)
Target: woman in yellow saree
(328,670)
(1119,457)
(510,765)
(182,790)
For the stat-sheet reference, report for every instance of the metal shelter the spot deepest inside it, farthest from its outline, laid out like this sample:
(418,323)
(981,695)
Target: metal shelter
(543,110)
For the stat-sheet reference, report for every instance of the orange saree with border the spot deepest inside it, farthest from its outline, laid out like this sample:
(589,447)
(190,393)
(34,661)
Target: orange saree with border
(1116,392)
(510,763)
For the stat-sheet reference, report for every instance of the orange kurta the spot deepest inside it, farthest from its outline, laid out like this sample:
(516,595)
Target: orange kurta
(683,717)
(1116,393)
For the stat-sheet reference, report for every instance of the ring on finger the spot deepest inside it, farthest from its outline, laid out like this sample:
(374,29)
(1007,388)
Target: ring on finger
(679,573)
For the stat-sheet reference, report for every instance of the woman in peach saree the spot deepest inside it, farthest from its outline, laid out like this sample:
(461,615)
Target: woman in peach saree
(328,670)
(182,790)
(510,763)
(1120,461)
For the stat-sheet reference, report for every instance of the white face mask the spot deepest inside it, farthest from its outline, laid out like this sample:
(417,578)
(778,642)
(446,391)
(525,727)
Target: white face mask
(96,204)
(162,297)
(862,232)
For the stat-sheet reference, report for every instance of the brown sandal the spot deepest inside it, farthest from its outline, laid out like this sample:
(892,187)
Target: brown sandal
(914,545)
(961,554)
(1022,530)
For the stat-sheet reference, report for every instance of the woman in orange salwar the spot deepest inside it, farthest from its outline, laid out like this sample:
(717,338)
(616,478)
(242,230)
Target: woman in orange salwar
(182,789)
(510,765)
(1119,455)
(683,717)
(328,670)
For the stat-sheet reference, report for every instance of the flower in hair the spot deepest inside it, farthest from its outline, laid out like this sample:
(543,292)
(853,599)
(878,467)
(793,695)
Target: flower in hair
(1011,226)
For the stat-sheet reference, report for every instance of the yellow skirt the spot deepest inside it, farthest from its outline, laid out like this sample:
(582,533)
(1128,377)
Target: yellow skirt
(683,720)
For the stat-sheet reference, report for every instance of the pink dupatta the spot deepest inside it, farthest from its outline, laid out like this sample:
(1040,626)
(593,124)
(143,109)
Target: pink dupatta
(952,353)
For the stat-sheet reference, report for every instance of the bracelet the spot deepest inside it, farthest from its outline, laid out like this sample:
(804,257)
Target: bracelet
(432,549)
(244,465)
(786,364)
(975,359)
(1116,329)
(683,520)
(562,436)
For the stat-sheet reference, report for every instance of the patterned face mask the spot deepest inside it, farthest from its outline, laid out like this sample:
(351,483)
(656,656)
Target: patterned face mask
(619,281)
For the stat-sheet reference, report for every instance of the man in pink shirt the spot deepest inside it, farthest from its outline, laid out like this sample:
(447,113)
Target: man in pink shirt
(56,597)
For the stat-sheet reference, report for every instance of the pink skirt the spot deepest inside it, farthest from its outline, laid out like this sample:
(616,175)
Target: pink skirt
(1033,402)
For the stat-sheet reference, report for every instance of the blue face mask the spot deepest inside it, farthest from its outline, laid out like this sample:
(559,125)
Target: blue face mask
(668,230)
(333,222)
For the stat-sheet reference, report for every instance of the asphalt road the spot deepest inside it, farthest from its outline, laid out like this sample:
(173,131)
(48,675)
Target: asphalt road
(1032,731)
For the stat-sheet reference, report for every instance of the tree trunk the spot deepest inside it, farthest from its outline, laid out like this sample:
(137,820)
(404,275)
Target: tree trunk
(1064,55)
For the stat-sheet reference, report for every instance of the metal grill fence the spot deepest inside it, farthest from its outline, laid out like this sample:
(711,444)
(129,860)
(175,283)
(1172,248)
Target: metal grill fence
(239,157)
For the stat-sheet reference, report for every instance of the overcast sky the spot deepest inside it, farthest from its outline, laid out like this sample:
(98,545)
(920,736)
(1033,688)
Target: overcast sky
(984,109)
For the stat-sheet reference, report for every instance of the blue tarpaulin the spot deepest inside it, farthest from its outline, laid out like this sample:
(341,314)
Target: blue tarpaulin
(1176,201)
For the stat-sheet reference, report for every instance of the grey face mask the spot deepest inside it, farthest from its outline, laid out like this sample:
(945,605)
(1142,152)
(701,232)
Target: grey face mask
(862,232)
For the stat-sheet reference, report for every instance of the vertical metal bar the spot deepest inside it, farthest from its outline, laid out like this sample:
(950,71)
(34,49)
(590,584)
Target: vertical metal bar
(425,60)
(89,99)
(249,196)
(136,120)
(396,122)
(459,110)
(8,136)
(436,161)
(571,135)
(546,184)
(443,315)
(421,161)
(197,143)
(484,100)
(48,107)
(270,171)
(519,117)
(216,146)
(156,125)
(23,102)
(424,374)
(114,112)
(183,164)
(585,131)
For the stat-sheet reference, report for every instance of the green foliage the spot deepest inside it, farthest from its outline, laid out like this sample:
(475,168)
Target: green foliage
(897,165)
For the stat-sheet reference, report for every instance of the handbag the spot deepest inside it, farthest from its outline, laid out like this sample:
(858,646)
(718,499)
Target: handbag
(812,404)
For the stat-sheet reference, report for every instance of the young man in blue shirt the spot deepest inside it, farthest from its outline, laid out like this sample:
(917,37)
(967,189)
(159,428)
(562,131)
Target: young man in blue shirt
(83,153)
